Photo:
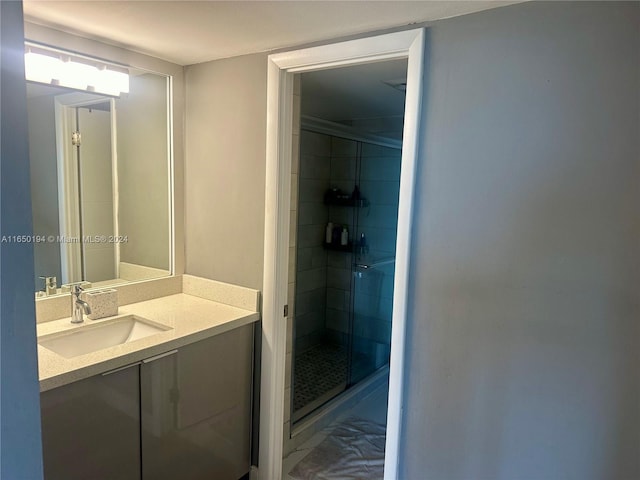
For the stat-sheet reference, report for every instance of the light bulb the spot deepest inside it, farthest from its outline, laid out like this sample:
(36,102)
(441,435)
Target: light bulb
(42,68)
(78,75)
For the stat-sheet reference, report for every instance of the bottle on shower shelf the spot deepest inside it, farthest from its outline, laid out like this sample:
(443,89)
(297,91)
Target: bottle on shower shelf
(328,234)
(344,236)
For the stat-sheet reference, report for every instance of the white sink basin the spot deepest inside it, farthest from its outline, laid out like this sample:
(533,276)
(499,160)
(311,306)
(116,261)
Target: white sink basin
(91,338)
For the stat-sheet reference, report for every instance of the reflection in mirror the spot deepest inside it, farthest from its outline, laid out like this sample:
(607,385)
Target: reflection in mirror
(101,183)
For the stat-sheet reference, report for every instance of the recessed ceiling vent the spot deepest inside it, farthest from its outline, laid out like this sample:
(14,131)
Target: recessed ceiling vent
(398,84)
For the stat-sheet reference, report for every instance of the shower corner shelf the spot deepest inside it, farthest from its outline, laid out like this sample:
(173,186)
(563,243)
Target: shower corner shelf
(339,248)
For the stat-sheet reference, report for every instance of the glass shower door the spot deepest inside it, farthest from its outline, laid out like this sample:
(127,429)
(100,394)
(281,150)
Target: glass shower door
(371,324)
(343,285)
(373,269)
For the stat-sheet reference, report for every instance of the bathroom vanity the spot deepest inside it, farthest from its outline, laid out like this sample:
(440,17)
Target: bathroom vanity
(163,390)
(173,404)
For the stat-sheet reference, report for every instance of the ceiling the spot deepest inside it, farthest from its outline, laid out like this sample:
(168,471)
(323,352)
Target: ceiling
(189,32)
(358,96)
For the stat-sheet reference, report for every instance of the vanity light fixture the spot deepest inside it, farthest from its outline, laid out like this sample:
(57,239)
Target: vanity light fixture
(54,67)
(40,68)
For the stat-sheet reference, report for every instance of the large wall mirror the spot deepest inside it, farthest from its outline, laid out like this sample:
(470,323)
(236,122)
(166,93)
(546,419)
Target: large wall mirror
(101,174)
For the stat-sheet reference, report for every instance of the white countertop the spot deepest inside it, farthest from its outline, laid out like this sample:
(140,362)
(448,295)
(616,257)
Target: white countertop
(191,319)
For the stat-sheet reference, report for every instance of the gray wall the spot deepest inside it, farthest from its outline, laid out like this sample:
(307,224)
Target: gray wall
(21,454)
(523,331)
(225,169)
(143,197)
(44,186)
(524,338)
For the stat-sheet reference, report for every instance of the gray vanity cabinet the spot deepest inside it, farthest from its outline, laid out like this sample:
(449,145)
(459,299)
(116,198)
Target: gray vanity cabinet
(91,428)
(196,409)
(185,414)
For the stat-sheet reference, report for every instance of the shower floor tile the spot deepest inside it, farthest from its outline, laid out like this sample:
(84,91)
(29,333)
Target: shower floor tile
(318,370)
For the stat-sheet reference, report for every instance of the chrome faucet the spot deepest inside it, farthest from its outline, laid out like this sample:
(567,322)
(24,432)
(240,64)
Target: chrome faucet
(78,306)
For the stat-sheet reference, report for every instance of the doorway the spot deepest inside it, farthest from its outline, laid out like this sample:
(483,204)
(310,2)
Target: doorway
(95,166)
(87,180)
(281,70)
(346,190)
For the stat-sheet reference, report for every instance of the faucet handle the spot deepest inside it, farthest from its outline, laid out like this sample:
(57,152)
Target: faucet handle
(76,289)
(48,281)
(78,305)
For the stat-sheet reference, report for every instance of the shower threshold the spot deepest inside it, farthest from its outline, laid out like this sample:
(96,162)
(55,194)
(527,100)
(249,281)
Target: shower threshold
(333,407)
(318,402)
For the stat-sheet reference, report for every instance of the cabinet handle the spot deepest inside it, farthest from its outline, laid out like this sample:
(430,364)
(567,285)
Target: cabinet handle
(115,370)
(158,357)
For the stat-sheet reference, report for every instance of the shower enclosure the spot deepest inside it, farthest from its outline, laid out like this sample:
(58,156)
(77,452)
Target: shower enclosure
(347,214)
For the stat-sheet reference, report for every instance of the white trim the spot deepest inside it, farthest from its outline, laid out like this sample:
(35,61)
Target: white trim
(115,188)
(363,50)
(70,264)
(410,145)
(276,247)
(281,67)
(172,171)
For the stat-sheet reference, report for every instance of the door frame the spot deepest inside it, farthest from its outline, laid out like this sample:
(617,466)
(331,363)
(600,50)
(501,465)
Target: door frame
(281,67)
(72,267)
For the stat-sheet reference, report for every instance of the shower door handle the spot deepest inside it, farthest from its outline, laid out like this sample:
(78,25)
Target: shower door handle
(366,266)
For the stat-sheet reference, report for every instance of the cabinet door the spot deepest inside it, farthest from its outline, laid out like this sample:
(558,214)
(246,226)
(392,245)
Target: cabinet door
(196,410)
(91,428)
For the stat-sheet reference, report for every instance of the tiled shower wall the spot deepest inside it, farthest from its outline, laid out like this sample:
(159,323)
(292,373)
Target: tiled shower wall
(343,176)
(311,263)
